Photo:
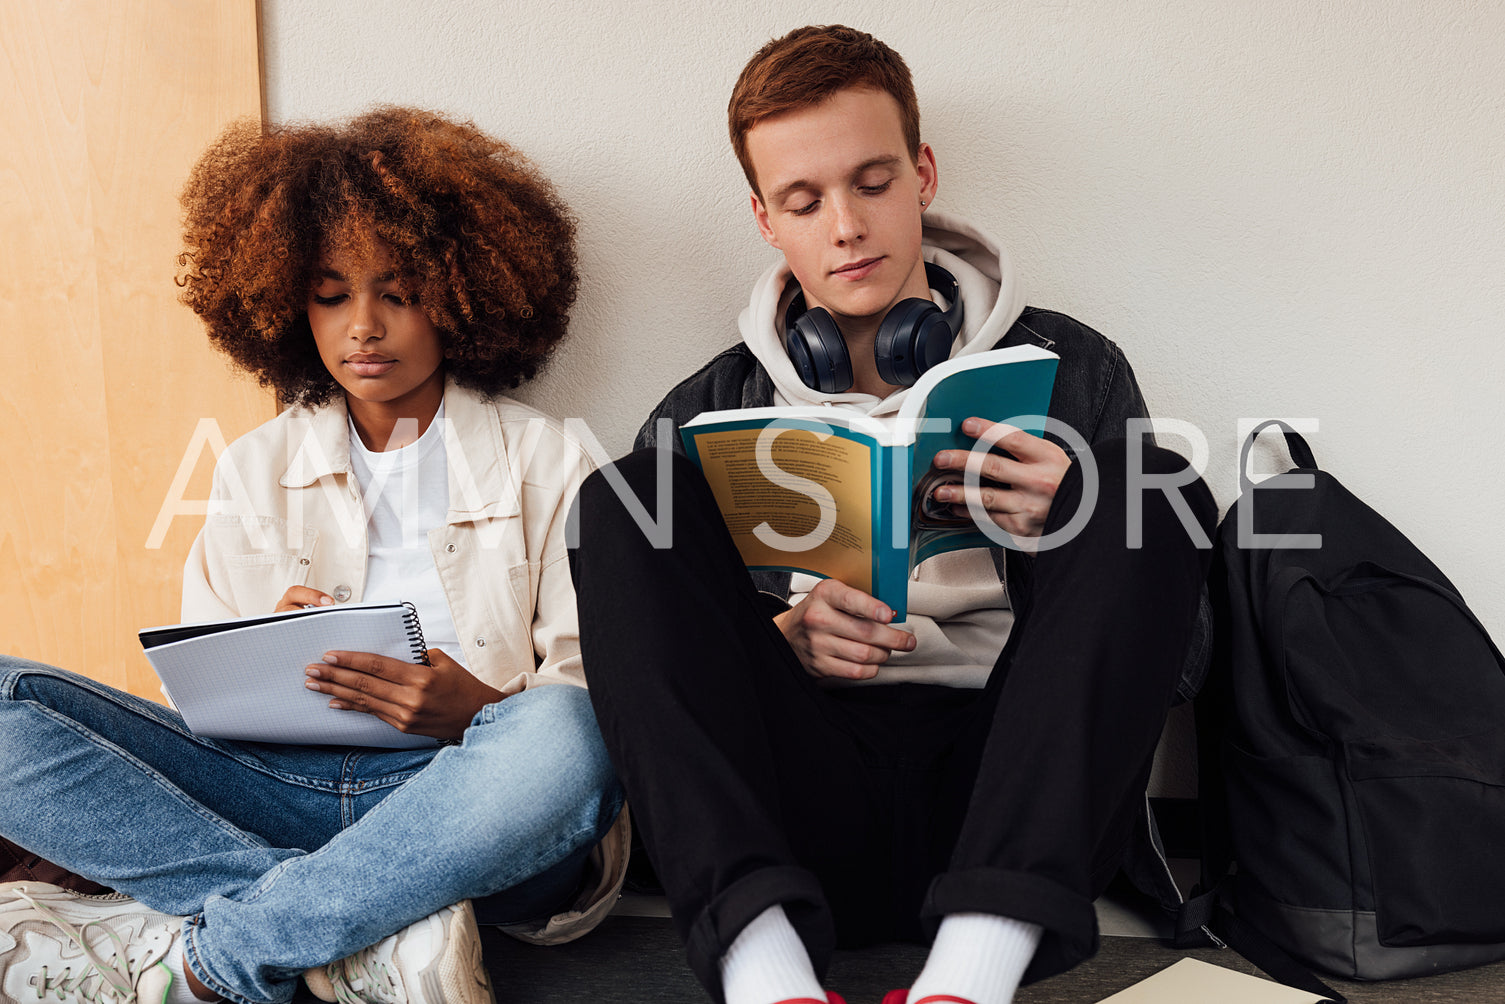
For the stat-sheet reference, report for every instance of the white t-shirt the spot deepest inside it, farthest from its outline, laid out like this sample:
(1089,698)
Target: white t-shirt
(406,492)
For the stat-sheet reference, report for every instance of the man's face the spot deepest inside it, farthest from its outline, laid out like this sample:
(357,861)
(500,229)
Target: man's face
(841,199)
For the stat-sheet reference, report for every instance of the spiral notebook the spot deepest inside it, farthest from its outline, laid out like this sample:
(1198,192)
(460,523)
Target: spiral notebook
(243,678)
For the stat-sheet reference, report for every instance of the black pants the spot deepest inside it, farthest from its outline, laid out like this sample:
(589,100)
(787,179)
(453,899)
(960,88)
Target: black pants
(872,812)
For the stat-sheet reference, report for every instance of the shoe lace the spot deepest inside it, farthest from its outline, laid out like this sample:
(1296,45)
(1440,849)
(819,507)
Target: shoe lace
(103,979)
(365,978)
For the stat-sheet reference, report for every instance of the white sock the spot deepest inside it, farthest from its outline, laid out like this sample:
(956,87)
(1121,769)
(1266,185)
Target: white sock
(978,956)
(767,963)
(178,992)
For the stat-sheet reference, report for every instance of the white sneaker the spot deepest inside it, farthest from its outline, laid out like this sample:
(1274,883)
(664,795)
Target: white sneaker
(76,948)
(436,960)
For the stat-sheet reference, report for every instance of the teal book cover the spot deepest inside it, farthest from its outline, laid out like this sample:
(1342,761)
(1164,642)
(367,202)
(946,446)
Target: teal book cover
(836,493)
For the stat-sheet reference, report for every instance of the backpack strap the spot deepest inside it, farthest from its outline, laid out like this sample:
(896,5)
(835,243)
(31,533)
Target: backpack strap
(1301,454)
(1270,957)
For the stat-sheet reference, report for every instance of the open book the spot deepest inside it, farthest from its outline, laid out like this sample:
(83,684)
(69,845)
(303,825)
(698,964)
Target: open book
(243,678)
(845,496)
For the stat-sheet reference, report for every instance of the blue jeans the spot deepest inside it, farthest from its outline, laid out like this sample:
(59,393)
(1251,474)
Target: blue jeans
(287,857)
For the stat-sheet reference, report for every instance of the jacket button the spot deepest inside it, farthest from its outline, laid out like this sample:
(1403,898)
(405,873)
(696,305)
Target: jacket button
(341,594)
(450,548)
(302,561)
(480,643)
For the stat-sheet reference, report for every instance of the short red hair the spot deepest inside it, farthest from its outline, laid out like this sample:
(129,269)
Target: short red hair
(806,67)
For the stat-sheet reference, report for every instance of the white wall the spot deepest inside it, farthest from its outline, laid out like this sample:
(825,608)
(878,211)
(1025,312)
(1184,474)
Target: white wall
(1277,207)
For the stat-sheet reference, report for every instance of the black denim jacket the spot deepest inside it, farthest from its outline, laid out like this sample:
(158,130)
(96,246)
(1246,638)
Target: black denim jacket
(1095,394)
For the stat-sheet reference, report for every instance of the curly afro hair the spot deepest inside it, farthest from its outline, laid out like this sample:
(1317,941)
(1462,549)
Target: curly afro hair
(485,241)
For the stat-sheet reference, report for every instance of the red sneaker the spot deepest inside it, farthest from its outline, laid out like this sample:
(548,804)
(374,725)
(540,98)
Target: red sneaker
(902,997)
(830,999)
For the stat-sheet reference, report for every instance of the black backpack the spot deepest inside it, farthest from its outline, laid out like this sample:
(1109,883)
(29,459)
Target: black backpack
(1351,739)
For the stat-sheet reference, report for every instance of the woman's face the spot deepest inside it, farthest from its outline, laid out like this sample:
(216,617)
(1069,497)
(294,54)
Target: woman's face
(374,338)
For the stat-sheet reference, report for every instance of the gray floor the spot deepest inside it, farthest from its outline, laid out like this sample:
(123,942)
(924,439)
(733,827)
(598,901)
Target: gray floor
(639,959)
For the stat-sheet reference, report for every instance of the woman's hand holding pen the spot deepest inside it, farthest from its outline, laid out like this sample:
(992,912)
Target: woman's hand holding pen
(298,597)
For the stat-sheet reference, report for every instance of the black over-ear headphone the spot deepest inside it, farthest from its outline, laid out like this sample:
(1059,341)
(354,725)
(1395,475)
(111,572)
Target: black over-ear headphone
(914,335)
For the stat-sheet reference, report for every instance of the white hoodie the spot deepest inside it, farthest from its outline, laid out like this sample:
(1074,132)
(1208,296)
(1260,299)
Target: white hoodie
(958,607)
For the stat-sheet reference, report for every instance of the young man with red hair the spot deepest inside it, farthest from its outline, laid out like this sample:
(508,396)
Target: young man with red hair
(805,772)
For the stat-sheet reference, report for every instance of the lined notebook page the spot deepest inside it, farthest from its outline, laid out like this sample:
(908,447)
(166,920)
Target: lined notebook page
(246,682)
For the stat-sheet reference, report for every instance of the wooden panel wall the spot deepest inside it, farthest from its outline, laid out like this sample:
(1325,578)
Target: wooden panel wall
(103,374)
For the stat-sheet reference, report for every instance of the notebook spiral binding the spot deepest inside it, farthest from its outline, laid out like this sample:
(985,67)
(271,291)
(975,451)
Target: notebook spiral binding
(419,647)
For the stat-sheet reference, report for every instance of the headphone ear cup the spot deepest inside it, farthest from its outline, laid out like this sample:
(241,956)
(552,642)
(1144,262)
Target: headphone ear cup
(818,352)
(933,340)
(907,341)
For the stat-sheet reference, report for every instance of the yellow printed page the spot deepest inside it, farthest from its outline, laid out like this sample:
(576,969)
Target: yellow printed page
(807,505)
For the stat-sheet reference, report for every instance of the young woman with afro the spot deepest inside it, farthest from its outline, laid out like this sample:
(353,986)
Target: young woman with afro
(388,278)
